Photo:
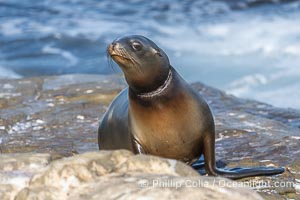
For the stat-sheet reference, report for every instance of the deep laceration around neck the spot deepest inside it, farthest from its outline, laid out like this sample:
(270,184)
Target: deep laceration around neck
(157,90)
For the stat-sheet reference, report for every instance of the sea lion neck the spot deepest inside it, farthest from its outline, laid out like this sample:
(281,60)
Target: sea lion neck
(150,87)
(160,89)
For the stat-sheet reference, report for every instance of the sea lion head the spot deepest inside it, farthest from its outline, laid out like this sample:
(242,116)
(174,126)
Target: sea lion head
(145,66)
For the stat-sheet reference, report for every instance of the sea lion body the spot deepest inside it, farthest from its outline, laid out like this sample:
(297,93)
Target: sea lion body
(158,124)
(159,113)
(113,130)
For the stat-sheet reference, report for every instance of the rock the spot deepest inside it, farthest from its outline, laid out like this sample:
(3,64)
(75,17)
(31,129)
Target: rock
(51,114)
(25,162)
(60,115)
(16,170)
(120,174)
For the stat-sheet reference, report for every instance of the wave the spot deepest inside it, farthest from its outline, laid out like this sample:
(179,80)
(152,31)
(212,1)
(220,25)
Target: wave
(277,88)
(241,46)
(73,60)
(8,74)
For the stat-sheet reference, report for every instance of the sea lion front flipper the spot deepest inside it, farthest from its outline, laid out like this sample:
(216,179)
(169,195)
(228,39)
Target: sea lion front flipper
(137,147)
(233,173)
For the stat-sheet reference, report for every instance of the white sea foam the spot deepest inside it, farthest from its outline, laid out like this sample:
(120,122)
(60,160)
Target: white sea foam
(5,73)
(94,28)
(11,27)
(244,35)
(248,82)
(249,54)
(253,56)
(279,88)
(65,54)
(282,96)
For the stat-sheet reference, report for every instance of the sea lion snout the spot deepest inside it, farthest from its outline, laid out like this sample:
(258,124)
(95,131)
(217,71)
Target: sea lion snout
(118,53)
(112,48)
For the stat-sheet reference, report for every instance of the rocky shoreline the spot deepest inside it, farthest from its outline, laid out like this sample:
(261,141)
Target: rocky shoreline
(45,119)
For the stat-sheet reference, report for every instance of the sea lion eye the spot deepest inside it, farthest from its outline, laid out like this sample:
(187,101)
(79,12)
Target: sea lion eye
(137,46)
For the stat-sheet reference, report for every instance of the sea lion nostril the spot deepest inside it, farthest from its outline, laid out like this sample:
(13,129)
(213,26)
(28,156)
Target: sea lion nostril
(110,48)
(113,45)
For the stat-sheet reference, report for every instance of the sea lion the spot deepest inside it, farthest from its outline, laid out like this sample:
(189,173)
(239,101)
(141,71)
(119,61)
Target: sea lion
(159,113)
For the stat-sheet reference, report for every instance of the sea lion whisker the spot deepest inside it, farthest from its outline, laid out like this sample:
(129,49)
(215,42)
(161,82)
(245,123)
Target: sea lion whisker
(109,61)
(137,65)
(126,55)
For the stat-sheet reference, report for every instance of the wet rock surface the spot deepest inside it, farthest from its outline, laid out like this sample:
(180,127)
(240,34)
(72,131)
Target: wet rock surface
(54,114)
(59,116)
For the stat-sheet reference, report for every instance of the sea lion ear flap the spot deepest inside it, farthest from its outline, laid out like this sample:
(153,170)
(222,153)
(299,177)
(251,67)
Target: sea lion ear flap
(159,54)
(157,51)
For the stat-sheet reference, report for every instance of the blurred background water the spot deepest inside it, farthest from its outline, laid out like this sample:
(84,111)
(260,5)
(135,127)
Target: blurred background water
(249,48)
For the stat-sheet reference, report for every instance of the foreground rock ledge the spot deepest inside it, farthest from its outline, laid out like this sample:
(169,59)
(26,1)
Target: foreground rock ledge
(110,175)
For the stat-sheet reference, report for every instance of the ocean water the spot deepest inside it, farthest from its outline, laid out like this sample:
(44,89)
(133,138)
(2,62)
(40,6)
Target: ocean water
(249,48)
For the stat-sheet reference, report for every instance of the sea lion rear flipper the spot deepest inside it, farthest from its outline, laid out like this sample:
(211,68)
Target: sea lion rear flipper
(233,173)
(200,164)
